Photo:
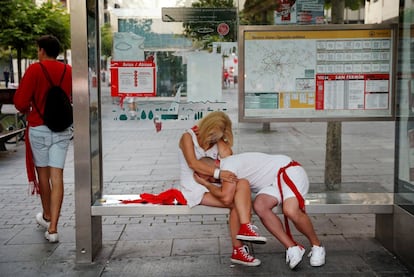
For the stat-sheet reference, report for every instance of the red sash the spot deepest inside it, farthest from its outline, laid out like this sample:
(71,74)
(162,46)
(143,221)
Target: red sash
(282,173)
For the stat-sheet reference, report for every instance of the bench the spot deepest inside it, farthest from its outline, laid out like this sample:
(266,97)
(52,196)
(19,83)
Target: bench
(7,135)
(316,203)
(6,97)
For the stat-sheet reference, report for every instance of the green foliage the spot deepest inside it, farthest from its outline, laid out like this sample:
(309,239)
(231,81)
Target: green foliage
(351,4)
(21,25)
(56,21)
(204,41)
(258,12)
(214,4)
(106,40)
(22,22)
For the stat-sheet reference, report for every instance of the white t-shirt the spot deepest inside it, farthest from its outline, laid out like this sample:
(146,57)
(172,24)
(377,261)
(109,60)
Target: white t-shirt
(261,171)
(193,191)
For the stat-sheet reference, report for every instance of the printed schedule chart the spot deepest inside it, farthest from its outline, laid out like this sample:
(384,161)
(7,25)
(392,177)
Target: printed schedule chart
(304,72)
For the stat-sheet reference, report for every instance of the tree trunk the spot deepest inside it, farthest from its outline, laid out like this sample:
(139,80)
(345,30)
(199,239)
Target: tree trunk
(338,9)
(333,155)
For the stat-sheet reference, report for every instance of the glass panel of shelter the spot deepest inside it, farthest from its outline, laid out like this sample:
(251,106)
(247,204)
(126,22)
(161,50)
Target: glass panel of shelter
(404,191)
(163,77)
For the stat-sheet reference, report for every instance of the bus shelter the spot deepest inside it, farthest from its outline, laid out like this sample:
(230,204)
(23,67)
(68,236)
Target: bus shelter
(170,65)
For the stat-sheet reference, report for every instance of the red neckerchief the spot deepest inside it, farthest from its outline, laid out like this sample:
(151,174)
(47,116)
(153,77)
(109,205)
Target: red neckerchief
(30,166)
(282,173)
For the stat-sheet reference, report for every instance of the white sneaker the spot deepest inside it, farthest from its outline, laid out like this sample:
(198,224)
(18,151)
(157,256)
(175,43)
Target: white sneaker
(317,256)
(41,221)
(294,255)
(52,237)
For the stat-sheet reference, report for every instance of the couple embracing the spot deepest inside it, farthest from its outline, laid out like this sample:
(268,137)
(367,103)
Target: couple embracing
(212,175)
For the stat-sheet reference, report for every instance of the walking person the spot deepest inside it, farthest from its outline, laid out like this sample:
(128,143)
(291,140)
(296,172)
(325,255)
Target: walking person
(6,75)
(45,150)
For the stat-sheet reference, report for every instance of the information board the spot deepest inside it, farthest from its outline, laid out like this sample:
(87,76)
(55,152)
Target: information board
(132,78)
(317,73)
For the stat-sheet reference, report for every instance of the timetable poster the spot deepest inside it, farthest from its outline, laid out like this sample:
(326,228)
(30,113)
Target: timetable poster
(352,91)
(317,73)
(133,78)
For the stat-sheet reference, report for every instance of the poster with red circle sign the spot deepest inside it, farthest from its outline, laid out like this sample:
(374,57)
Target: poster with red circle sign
(223,29)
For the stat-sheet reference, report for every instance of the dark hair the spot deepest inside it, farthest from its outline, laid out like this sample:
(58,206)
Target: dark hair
(50,44)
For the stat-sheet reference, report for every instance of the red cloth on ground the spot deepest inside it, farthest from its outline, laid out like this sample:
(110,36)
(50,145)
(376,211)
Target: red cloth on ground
(168,197)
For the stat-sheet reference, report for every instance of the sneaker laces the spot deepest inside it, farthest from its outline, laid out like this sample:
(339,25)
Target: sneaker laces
(252,228)
(245,252)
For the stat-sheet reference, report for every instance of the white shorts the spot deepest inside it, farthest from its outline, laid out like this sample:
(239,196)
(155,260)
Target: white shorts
(298,176)
(49,148)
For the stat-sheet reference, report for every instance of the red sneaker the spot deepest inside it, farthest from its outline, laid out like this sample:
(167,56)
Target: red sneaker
(241,256)
(247,232)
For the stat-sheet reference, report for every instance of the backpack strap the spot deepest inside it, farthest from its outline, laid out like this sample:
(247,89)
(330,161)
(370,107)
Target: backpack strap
(48,76)
(50,82)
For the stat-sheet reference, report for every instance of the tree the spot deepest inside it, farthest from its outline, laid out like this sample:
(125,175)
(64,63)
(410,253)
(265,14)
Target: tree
(205,41)
(20,30)
(25,22)
(333,155)
(106,40)
(259,12)
(350,4)
(55,21)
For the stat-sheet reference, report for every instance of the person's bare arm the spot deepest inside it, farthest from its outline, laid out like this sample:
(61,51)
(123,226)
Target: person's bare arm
(225,192)
(187,146)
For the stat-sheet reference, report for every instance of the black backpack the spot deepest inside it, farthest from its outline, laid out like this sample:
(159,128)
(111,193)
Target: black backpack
(58,112)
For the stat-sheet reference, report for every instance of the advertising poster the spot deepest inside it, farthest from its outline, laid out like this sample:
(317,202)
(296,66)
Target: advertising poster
(299,12)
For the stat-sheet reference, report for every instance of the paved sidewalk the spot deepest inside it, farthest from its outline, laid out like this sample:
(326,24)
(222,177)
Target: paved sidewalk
(138,159)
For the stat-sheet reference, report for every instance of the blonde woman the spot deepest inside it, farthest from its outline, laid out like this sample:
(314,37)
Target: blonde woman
(213,138)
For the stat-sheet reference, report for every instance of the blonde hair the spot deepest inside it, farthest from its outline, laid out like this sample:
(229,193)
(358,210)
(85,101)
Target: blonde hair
(215,121)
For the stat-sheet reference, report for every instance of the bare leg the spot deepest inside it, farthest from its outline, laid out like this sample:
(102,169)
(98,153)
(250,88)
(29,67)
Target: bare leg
(44,185)
(211,200)
(234,223)
(301,220)
(243,202)
(56,197)
(263,205)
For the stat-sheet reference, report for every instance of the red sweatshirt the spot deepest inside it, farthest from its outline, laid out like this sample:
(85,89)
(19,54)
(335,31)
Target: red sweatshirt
(34,85)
